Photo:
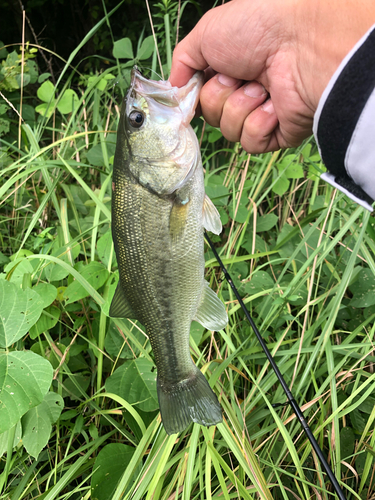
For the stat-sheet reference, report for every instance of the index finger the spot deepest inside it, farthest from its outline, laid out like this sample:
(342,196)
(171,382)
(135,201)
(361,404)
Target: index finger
(187,58)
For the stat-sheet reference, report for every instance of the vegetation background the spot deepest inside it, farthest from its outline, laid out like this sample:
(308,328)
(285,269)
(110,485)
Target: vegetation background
(78,407)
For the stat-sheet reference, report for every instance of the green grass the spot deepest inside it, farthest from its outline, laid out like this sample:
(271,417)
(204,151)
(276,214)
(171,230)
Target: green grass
(302,256)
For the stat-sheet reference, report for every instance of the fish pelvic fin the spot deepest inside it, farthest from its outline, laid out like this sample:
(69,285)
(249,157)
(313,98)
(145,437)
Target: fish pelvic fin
(191,400)
(120,307)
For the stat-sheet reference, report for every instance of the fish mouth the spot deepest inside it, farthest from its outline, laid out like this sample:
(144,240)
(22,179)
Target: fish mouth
(161,91)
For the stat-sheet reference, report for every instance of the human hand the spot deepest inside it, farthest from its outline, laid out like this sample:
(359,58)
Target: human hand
(273,60)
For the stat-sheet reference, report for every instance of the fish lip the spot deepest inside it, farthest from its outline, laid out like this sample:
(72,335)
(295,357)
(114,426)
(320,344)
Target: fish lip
(162,90)
(136,75)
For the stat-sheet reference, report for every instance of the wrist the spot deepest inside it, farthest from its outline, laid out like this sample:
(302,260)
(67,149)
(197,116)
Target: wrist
(326,32)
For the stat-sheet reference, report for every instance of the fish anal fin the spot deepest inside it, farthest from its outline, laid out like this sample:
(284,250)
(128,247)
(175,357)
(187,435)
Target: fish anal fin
(211,217)
(187,401)
(211,312)
(120,307)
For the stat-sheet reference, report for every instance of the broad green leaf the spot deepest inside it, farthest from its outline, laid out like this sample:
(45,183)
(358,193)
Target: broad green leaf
(33,71)
(54,355)
(21,253)
(19,311)
(43,77)
(260,281)
(46,292)
(109,467)
(266,222)
(46,92)
(101,81)
(75,386)
(17,268)
(115,344)
(241,215)
(218,194)
(313,172)
(54,272)
(95,273)
(306,151)
(28,113)
(67,102)
(4,126)
(215,135)
(291,167)
(311,243)
(347,442)
(3,259)
(95,155)
(3,51)
(37,423)
(100,84)
(239,272)
(45,109)
(122,49)
(25,78)
(368,405)
(105,248)
(135,381)
(363,289)
(223,215)
(25,379)
(281,185)
(260,245)
(4,438)
(196,331)
(357,420)
(45,322)
(111,292)
(147,48)
(294,171)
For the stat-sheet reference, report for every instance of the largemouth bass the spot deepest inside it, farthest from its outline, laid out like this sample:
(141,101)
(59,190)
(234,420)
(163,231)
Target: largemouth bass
(159,210)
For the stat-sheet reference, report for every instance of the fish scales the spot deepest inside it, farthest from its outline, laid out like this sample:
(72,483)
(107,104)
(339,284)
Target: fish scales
(158,213)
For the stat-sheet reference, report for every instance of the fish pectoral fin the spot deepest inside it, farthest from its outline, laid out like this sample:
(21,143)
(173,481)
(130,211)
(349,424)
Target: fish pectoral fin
(211,312)
(177,219)
(120,307)
(211,217)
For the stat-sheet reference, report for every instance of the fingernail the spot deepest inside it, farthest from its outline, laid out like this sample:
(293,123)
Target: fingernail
(268,107)
(254,89)
(228,81)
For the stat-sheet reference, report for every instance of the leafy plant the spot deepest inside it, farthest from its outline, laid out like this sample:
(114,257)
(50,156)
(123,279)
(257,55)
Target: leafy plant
(78,408)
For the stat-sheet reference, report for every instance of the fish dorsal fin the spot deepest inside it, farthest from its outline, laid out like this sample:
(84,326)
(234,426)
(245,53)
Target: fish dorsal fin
(211,312)
(211,217)
(120,307)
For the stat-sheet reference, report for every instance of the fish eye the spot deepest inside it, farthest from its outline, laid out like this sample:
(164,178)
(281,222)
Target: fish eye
(136,119)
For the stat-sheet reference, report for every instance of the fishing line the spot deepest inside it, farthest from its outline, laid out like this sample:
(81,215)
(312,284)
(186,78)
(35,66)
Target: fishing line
(297,410)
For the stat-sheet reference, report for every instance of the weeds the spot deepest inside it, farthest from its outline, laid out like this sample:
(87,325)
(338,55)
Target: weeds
(79,414)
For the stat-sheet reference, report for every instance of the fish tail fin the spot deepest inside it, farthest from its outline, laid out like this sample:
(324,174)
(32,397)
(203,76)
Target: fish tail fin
(191,400)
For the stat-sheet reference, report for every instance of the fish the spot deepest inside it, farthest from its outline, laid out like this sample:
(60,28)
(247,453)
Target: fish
(159,212)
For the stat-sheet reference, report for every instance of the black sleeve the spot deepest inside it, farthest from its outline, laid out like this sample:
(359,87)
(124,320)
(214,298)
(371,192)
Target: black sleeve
(344,124)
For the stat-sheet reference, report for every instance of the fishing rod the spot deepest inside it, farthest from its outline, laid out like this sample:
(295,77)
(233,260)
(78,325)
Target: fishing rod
(293,403)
